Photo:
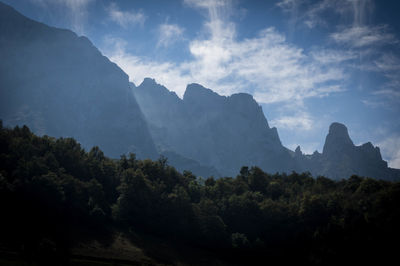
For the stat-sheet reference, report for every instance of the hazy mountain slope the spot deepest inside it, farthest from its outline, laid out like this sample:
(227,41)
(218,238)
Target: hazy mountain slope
(165,115)
(182,163)
(223,132)
(61,85)
(232,131)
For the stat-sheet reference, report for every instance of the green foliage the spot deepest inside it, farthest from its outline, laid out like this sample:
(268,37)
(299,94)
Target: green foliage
(52,191)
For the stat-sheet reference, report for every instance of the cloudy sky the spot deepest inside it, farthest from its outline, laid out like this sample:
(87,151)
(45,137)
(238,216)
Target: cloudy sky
(308,63)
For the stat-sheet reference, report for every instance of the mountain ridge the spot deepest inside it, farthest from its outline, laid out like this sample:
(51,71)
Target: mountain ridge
(211,113)
(201,107)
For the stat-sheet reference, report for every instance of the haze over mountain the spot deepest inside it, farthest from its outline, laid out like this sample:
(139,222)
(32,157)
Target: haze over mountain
(230,132)
(59,84)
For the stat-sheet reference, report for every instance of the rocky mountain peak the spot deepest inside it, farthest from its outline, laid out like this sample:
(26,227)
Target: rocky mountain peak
(196,92)
(245,97)
(149,90)
(338,129)
(338,139)
(244,102)
(148,82)
(298,151)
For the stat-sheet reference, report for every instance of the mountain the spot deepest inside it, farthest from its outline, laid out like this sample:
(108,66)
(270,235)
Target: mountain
(166,119)
(59,84)
(217,131)
(229,132)
(341,158)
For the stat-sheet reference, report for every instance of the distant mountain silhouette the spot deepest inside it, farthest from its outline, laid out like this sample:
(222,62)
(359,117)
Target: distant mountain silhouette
(230,132)
(341,158)
(59,84)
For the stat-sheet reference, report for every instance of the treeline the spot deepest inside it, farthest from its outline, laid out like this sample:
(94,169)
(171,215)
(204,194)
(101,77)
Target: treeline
(54,195)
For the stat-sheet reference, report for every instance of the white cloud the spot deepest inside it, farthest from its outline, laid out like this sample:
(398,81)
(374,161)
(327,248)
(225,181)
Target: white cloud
(374,45)
(138,68)
(389,93)
(207,3)
(312,13)
(315,15)
(300,121)
(266,65)
(361,10)
(363,36)
(330,56)
(288,5)
(169,33)
(125,18)
(368,46)
(76,11)
(391,148)
(373,103)
(388,63)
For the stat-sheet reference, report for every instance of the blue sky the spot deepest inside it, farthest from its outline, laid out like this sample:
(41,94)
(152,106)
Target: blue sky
(308,63)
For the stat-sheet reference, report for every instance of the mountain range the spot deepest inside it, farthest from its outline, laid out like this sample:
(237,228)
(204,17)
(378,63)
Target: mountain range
(59,84)
(230,132)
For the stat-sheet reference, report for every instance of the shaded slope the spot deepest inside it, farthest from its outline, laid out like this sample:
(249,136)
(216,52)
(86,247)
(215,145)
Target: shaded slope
(61,85)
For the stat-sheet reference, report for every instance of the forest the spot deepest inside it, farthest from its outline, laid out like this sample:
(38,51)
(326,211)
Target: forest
(55,195)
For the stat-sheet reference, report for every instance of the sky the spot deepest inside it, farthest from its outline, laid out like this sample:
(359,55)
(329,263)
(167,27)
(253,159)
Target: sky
(308,63)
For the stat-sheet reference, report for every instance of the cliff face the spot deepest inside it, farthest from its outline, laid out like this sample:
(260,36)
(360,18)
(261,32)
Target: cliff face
(337,141)
(341,158)
(59,84)
(218,131)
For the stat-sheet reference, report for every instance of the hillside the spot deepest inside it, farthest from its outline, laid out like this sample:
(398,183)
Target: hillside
(60,203)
